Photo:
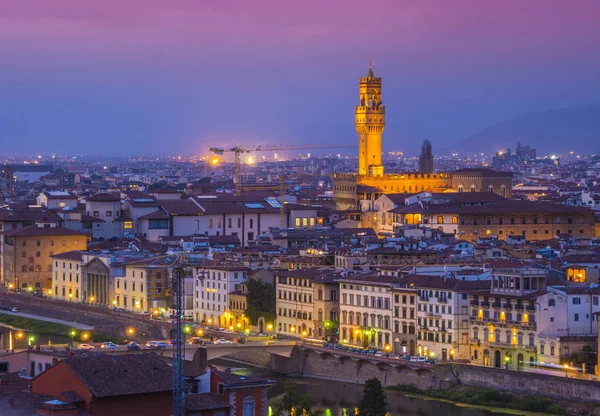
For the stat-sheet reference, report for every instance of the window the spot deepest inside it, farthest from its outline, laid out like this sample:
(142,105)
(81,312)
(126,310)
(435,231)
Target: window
(576,317)
(158,224)
(551,303)
(220,389)
(128,225)
(440,219)
(109,213)
(576,301)
(96,213)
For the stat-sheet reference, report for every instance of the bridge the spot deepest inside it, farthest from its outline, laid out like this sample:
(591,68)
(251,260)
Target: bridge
(213,351)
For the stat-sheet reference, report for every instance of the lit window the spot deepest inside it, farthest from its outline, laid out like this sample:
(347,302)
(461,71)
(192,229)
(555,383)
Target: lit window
(128,224)
(62,204)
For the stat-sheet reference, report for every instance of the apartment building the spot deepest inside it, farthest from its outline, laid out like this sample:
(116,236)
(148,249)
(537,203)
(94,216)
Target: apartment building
(503,318)
(366,311)
(105,208)
(67,283)
(295,304)
(567,320)
(326,306)
(27,254)
(442,315)
(404,320)
(144,285)
(213,284)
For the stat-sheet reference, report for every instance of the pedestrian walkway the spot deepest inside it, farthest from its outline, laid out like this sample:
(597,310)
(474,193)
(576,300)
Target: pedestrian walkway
(73,324)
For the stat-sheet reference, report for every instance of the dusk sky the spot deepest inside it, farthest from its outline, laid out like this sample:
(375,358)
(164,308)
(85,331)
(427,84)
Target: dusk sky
(169,77)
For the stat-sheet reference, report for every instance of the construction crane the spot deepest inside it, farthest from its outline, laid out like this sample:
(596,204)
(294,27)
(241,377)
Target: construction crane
(239,150)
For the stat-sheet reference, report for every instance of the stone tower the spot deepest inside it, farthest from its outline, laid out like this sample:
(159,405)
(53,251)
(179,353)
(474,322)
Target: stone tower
(370,122)
(426,158)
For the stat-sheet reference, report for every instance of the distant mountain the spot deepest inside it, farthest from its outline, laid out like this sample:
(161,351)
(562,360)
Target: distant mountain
(574,128)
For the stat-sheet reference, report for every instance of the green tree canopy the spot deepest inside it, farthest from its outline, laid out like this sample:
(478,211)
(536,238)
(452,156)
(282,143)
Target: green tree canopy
(261,301)
(373,402)
(292,401)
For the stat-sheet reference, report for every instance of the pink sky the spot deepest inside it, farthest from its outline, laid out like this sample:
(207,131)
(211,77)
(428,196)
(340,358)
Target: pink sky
(479,53)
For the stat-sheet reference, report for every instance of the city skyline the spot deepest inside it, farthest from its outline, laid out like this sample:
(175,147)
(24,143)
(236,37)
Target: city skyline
(160,79)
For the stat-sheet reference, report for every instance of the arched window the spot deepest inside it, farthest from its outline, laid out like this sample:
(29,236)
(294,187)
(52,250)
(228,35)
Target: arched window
(551,302)
(460,187)
(440,219)
(503,191)
(473,188)
(455,220)
(320,315)
(248,406)
(491,188)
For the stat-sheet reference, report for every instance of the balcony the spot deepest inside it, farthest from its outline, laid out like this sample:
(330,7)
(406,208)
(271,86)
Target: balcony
(496,305)
(475,303)
(530,307)
(520,307)
(424,298)
(443,300)
(507,306)
(433,314)
(485,303)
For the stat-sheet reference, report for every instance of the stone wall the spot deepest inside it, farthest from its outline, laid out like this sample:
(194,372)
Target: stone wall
(531,383)
(328,366)
(325,365)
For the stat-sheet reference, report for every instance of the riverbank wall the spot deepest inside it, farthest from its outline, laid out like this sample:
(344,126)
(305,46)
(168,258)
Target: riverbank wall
(530,383)
(338,367)
(329,366)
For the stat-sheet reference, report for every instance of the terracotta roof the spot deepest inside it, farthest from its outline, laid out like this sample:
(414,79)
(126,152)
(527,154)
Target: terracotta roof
(119,375)
(17,215)
(232,379)
(35,231)
(69,255)
(155,215)
(198,402)
(104,197)
(180,207)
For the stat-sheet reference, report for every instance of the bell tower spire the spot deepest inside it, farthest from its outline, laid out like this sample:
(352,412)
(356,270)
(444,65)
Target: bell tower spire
(369,118)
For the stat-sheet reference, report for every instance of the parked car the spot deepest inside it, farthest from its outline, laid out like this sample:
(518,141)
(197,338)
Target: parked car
(378,354)
(15,310)
(109,345)
(422,359)
(223,341)
(196,341)
(133,346)
(152,344)
(86,347)
(414,359)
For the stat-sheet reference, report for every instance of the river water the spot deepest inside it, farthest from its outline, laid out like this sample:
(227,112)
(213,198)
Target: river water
(340,399)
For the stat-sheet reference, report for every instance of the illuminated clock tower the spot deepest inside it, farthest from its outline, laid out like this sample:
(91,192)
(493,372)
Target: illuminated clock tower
(370,122)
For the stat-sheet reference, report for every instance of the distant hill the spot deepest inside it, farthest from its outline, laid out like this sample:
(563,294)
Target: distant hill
(574,128)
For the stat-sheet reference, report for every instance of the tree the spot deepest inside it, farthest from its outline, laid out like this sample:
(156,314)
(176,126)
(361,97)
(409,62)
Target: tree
(373,402)
(292,401)
(261,301)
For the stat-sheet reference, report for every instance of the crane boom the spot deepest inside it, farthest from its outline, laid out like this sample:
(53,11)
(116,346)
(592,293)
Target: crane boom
(238,150)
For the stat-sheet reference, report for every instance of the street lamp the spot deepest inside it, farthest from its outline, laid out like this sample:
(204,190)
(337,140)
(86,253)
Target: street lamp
(70,297)
(85,336)
(130,331)
(72,334)
(270,327)
(452,355)
(30,340)
(92,299)
(199,332)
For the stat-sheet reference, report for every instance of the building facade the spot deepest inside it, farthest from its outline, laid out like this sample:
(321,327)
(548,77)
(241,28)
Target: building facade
(27,254)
